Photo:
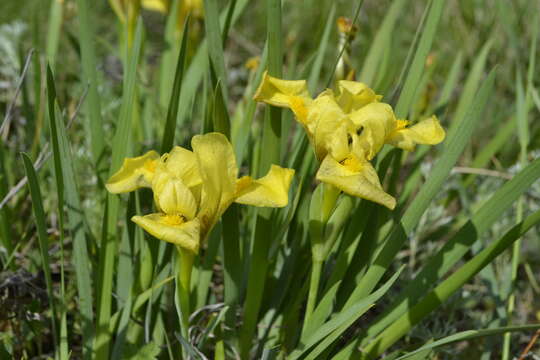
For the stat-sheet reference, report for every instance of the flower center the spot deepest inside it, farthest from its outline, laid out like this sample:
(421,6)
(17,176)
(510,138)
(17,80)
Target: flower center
(175,219)
(150,165)
(352,164)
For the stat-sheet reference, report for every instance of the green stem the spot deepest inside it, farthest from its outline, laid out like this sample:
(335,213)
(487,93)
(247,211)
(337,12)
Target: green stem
(183,285)
(313,290)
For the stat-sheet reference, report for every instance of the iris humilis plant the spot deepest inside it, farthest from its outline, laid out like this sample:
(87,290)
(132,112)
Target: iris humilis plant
(347,129)
(192,189)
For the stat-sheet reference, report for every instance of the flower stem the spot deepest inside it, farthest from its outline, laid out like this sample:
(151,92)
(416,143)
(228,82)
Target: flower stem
(183,284)
(313,290)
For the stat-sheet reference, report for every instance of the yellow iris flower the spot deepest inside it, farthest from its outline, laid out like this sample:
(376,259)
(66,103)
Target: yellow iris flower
(192,189)
(130,8)
(347,130)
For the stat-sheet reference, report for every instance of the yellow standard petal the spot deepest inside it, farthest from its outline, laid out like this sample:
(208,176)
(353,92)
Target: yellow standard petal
(183,163)
(161,6)
(172,228)
(328,127)
(272,190)
(374,122)
(427,132)
(355,176)
(219,172)
(172,196)
(135,173)
(353,95)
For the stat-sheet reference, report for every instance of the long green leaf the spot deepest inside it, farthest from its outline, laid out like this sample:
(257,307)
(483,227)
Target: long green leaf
(443,291)
(455,248)
(215,43)
(381,42)
(453,148)
(67,188)
(331,330)
(39,215)
(416,70)
(90,77)
(271,155)
(172,112)
(108,249)
(470,335)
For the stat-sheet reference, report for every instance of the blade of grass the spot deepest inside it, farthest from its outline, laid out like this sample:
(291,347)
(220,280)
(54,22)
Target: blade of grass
(172,112)
(54,30)
(455,248)
(523,137)
(470,335)
(60,193)
(215,43)
(315,72)
(448,287)
(39,216)
(453,148)
(67,189)
(108,248)
(331,330)
(451,81)
(90,77)
(471,85)
(271,155)
(416,70)
(198,67)
(381,42)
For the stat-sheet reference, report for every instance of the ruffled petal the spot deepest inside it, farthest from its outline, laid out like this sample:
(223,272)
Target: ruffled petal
(427,132)
(355,177)
(353,95)
(135,173)
(328,127)
(374,122)
(217,166)
(172,228)
(183,164)
(272,190)
(172,196)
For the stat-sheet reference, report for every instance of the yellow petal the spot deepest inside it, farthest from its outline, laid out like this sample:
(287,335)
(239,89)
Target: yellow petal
(291,94)
(374,122)
(278,92)
(172,228)
(353,95)
(135,173)
(356,177)
(218,169)
(428,132)
(161,6)
(183,164)
(272,190)
(172,196)
(328,127)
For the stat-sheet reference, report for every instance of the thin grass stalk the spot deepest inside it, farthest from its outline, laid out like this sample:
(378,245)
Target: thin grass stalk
(108,248)
(90,77)
(39,215)
(271,141)
(54,30)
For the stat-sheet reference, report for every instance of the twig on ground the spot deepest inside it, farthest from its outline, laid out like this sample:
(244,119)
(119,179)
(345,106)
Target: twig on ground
(529,345)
